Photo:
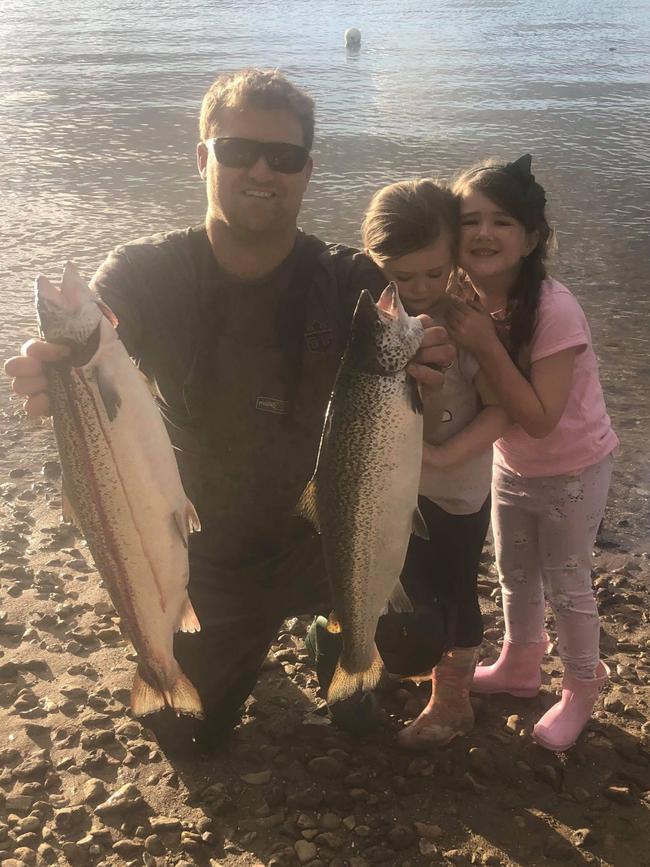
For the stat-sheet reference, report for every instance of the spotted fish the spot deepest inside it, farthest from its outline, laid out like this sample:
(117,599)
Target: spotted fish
(363,495)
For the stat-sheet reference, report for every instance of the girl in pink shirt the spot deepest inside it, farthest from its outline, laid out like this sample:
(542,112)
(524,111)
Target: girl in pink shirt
(552,467)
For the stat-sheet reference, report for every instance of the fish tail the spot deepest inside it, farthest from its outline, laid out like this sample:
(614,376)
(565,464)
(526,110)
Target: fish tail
(179,695)
(184,697)
(145,697)
(345,683)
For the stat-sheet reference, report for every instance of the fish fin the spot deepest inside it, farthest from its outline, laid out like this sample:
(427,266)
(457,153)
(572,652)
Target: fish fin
(189,622)
(419,527)
(345,683)
(145,698)
(398,599)
(308,506)
(415,396)
(187,522)
(193,522)
(108,393)
(67,511)
(333,624)
(182,697)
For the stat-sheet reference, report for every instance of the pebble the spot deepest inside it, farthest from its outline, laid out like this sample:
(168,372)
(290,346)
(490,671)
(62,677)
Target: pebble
(258,779)
(128,848)
(620,794)
(94,790)
(125,798)
(330,821)
(583,837)
(164,823)
(74,853)
(481,762)
(26,855)
(305,851)
(18,803)
(401,837)
(154,845)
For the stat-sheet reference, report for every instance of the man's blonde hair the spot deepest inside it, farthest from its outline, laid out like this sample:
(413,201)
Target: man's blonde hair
(256,88)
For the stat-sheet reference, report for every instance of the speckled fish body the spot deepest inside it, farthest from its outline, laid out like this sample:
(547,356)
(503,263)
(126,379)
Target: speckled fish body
(122,485)
(363,496)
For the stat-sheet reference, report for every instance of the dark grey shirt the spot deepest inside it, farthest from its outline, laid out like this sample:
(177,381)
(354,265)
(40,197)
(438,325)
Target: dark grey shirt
(243,371)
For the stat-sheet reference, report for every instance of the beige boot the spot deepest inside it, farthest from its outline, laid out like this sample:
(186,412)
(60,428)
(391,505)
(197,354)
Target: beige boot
(449,712)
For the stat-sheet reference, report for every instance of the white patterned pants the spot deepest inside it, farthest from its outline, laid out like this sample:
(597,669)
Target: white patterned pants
(544,532)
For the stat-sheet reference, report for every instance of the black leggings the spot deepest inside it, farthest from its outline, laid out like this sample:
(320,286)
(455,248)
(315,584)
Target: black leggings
(443,570)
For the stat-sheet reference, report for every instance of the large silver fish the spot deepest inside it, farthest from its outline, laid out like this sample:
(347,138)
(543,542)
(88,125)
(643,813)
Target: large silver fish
(122,486)
(363,495)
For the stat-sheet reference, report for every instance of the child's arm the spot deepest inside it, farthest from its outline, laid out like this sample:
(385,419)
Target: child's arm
(491,423)
(536,405)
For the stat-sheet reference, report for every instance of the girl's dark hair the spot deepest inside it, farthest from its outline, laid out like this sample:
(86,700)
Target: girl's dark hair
(407,216)
(513,188)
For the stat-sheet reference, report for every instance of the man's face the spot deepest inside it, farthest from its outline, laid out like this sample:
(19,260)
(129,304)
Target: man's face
(255,200)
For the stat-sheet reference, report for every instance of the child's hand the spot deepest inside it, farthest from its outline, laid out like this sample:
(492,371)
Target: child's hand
(435,355)
(470,325)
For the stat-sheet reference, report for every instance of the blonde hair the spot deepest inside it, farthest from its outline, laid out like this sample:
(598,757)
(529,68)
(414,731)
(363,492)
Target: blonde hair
(407,216)
(256,88)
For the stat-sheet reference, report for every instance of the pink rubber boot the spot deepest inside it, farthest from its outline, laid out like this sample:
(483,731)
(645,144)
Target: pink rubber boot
(449,712)
(560,726)
(516,671)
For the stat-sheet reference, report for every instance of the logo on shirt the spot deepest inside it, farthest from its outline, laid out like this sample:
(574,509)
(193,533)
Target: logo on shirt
(273,405)
(318,337)
(446,416)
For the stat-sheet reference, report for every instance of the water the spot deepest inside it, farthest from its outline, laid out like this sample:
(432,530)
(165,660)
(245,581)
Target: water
(98,120)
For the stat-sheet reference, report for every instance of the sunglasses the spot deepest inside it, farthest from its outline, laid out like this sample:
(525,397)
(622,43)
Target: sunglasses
(242,153)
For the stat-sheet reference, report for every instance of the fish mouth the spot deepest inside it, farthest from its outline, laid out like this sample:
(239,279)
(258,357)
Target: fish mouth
(68,298)
(389,302)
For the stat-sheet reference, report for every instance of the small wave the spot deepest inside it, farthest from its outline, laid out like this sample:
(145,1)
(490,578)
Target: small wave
(27,96)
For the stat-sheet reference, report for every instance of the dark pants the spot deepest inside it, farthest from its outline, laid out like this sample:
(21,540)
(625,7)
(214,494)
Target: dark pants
(240,618)
(239,622)
(443,570)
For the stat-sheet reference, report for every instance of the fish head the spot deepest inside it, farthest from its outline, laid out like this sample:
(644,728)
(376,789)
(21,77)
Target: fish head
(69,315)
(384,338)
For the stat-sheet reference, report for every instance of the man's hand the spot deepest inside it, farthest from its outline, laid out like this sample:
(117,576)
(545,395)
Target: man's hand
(29,377)
(436,348)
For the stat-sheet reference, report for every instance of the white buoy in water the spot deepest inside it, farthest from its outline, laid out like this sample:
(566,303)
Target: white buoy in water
(352,37)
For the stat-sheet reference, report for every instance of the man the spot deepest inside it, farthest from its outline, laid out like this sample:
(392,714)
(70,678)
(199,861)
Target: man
(240,325)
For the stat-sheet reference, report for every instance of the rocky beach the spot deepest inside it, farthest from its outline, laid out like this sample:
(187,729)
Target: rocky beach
(84,783)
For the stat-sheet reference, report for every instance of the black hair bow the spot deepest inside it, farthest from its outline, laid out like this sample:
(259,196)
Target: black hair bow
(521,170)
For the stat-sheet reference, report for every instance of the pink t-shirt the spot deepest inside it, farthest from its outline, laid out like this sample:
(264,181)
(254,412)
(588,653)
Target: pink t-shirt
(584,434)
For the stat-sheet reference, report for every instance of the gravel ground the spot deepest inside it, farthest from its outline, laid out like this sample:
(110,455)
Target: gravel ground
(82,782)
